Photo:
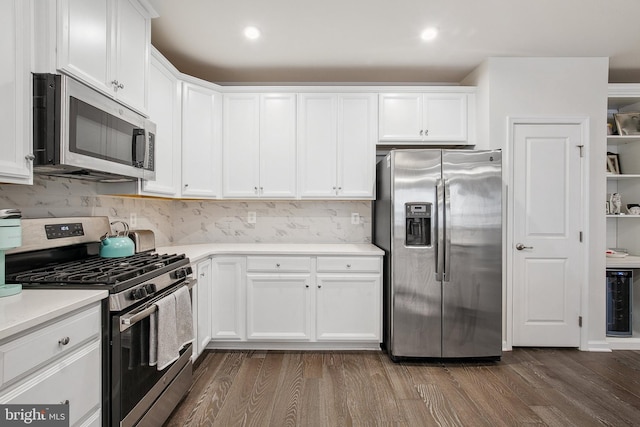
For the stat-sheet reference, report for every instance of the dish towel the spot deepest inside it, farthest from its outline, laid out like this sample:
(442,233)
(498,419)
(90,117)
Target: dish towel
(170,329)
(163,336)
(184,317)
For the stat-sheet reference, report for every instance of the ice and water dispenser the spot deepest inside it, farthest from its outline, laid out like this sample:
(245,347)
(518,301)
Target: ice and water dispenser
(417,224)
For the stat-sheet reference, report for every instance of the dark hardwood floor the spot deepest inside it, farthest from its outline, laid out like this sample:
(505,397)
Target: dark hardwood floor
(554,387)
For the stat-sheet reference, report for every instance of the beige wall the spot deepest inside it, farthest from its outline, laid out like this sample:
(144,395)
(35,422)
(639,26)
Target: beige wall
(555,87)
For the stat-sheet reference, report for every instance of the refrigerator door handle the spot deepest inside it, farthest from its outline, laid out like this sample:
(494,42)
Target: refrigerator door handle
(439,229)
(447,232)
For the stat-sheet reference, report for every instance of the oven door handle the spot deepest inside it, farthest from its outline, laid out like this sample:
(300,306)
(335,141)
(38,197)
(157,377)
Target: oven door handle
(129,320)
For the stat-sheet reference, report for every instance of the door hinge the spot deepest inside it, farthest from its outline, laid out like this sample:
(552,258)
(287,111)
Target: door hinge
(580,321)
(580,147)
(581,236)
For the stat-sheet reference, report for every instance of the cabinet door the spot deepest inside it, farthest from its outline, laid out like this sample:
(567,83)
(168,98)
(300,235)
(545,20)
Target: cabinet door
(241,161)
(401,116)
(15,102)
(132,35)
(76,379)
(201,113)
(278,145)
(317,142)
(348,307)
(203,330)
(85,47)
(278,307)
(228,298)
(445,117)
(357,118)
(164,111)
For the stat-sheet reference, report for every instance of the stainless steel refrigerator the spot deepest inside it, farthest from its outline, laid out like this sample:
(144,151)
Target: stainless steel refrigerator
(438,217)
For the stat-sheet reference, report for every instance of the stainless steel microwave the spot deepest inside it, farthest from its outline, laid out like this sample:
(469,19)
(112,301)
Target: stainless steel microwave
(79,132)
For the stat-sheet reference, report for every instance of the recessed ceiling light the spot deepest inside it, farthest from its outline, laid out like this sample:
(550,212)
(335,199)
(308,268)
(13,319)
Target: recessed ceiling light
(429,34)
(251,33)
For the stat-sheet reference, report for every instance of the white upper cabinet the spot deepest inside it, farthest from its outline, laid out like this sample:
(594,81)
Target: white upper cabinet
(164,111)
(259,146)
(438,117)
(201,141)
(106,43)
(15,102)
(336,140)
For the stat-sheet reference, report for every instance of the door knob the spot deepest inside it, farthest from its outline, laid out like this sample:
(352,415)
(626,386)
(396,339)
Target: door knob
(520,247)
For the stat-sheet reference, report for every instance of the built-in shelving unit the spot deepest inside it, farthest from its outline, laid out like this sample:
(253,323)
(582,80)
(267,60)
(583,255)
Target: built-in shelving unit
(623,231)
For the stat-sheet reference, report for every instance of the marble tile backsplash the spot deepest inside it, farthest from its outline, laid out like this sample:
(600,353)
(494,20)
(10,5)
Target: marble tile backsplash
(275,222)
(203,221)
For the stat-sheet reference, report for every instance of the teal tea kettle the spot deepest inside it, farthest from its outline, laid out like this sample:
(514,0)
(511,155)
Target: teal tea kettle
(118,245)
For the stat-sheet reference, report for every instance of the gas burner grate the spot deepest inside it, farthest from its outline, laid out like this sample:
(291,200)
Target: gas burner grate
(96,270)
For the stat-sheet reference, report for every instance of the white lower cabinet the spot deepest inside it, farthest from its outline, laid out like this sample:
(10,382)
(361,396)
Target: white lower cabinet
(348,307)
(228,299)
(58,363)
(296,299)
(278,306)
(201,297)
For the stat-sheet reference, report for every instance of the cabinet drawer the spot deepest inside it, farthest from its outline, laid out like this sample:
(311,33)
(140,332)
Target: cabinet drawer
(31,351)
(279,264)
(348,264)
(75,378)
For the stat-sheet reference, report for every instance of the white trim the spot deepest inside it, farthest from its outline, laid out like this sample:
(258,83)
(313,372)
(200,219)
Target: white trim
(292,345)
(583,122)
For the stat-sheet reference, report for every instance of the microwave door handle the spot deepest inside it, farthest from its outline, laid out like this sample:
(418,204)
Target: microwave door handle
(138,143)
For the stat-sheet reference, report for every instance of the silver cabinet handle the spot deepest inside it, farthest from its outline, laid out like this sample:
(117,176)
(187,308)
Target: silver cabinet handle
(426,132)
(520,247)
(319,286)
(278,265)
(64,340)
(114,82)
(421,132)
(30,157)
(348,265)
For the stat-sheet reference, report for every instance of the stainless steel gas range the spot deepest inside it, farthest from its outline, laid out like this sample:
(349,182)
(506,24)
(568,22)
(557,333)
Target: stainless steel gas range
(63,253)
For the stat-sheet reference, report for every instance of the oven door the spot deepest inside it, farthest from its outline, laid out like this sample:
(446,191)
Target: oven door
(140,391)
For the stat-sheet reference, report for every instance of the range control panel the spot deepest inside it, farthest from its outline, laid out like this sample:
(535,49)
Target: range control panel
(59,231)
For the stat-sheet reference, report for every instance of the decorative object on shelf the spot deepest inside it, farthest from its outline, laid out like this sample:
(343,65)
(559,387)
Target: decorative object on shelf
(633,209)
(607,209)
(615,202)
(609,128)
(616,254)
(613,164)
(628,123)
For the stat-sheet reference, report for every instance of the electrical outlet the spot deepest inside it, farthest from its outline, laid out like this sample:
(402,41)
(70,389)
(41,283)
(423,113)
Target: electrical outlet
(133,220)
(355,218)
(251,217)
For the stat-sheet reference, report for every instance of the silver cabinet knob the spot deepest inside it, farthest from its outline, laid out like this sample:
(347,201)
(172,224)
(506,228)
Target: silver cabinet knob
(64,340)
(421,132)
(348,265)
(278,265)
(30,157)
(520,247)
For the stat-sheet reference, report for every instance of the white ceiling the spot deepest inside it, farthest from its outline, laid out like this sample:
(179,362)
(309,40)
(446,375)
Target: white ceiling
(378,41)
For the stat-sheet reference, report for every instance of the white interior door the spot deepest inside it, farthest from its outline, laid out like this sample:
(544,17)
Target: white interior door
(547,251)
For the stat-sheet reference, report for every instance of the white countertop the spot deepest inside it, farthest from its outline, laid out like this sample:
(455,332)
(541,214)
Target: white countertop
(199,251)
(630,261)
(32,307)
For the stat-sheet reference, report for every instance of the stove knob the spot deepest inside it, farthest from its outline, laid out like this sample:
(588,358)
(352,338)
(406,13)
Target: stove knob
(181,273)
(138,293)
(150,288)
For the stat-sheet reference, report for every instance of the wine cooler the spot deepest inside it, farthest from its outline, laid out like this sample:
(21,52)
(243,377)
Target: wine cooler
(619,303)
